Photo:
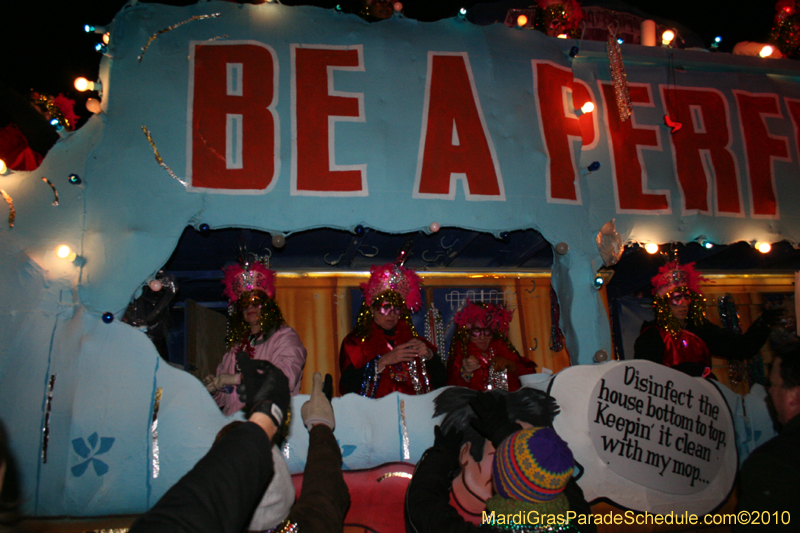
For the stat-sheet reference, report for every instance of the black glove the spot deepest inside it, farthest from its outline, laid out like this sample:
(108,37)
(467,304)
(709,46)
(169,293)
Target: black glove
(492,417)
(772,317)
(448,442)
(327,387)
(264,389)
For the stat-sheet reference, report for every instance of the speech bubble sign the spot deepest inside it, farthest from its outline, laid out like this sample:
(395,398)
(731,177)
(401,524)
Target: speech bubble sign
(648,437)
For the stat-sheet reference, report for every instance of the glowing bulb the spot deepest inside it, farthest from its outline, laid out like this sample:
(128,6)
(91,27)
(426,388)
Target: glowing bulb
(93,105)
(620,41)
(667,37)
(717,39)
(82,84)
(3,167)
(763,247)
(106,37)
(588,107)
(562,36)
(766,51)
(64,252)
(88,28)
(651,248)
(522,20)
(462,12)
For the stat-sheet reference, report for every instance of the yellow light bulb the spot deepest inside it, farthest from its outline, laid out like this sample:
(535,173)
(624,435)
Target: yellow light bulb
(63,251)
(667,37)
(106,37)
(522,20)
(766,51)
(562,35)
(763,247)
(82,84)
(651,248)
(3,167)
(588,107)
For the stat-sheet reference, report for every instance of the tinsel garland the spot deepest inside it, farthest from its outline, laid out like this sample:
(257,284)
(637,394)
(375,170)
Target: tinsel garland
(737,370)
(665,318)
(618,78)
(434,330)
(284,527)
(785,33)
(270,319)
(556,335)
(555,16)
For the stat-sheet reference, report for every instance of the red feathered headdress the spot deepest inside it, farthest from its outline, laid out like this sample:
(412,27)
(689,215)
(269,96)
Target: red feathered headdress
(672,275)
(493,316)
(250,277)
(393,277)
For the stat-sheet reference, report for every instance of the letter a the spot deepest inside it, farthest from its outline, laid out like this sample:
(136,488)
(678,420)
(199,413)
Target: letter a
(455,142)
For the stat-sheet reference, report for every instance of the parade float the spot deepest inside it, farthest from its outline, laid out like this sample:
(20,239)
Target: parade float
(286,120)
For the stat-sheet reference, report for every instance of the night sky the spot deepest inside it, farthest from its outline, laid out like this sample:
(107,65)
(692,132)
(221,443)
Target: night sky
(44,47)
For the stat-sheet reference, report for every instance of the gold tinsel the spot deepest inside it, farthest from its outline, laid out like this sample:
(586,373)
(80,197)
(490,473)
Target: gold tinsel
(170,28)
(270,319)
(55,192)
(665,318)
(158,156)
(12,213)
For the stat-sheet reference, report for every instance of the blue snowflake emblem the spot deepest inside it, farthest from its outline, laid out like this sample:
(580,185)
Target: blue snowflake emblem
(346,450)
(96,446)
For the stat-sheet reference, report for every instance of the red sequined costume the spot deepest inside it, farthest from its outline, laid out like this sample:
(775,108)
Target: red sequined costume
(362,354)
(480,379)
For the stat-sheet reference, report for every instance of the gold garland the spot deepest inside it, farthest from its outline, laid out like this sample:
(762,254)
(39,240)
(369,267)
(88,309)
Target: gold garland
(665,318)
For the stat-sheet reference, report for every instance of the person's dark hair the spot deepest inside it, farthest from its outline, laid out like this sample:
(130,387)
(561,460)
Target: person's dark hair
(790,364)
(533,406)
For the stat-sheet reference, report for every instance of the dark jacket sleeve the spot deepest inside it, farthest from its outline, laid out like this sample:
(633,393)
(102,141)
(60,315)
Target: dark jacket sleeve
(649,345)
(221,492)
(428,507)
(724,343)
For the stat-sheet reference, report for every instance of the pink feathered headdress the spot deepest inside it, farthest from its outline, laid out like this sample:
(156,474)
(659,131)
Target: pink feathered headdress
(252,276)
(393,277)
(493,316)
(672,275)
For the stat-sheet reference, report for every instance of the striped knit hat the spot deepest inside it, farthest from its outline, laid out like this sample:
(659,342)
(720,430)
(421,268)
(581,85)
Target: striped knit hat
(532,465)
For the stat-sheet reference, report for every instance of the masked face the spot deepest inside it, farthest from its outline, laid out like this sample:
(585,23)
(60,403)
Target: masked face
(250,305)
(480,337)
(386,315)
(678,302)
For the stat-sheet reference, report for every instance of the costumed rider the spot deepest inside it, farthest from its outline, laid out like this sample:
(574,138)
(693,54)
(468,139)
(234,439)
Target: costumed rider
(255,327)
(384,353)
(681,337)
(481,356)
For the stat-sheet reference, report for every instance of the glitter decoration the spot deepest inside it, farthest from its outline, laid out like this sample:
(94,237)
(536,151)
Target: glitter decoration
(48,407)
(556,335)
(404,428)
(284,527)
(497,379)
(158,157)
(387,475)
(55,192)
(156,35)
(737,370)
(154,432)
(12,213)
(618,78)
(434,330)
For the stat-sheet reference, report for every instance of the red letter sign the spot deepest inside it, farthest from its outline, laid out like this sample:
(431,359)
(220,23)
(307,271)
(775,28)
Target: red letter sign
(630,176)
(234,136)
(559,96)
(760,149)
(702,149)
(316,107)
(455,142)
